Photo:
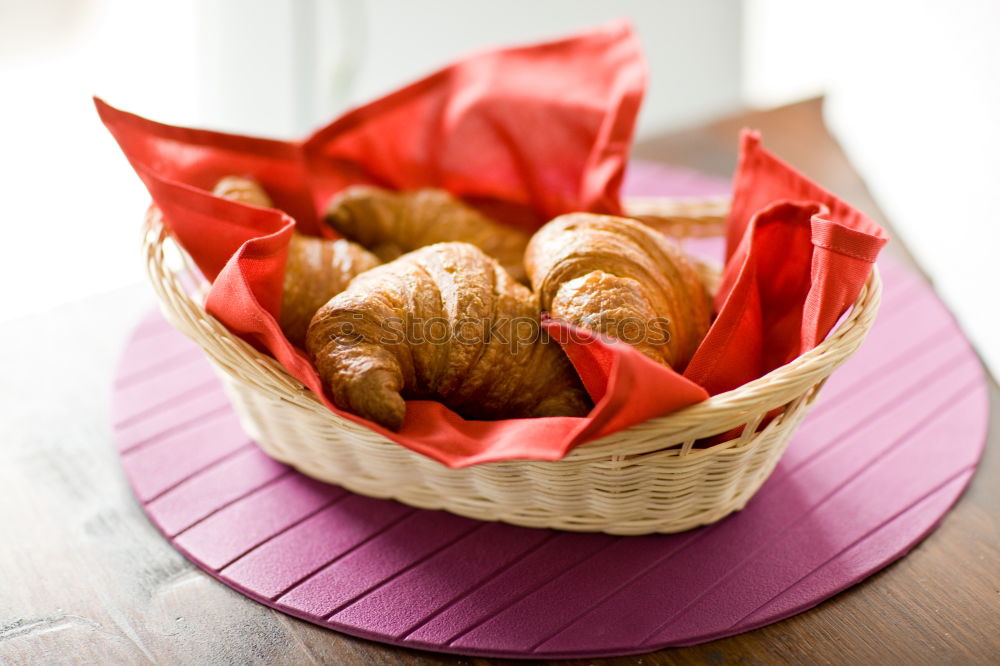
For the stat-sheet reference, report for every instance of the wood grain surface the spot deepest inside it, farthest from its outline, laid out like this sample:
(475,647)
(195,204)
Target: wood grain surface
(87,579)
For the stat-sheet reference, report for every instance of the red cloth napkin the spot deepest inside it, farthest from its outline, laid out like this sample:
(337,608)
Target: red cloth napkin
(796,259)
(527,133)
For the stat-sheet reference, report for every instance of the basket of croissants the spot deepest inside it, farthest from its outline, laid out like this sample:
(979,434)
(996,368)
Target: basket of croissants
(425,255)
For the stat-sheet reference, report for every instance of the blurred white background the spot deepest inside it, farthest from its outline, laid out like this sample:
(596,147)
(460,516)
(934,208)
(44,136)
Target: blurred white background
(913,96)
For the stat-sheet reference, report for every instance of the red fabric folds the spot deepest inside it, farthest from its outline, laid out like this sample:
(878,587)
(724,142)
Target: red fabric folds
(797,257)
(527,133)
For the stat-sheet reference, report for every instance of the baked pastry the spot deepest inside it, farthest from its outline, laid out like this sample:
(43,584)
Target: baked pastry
(621,278)
(393,223)
(242,189)
(316,270)
(444,322)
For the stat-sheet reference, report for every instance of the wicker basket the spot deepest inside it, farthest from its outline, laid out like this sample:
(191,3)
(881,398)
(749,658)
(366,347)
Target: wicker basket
(645,479)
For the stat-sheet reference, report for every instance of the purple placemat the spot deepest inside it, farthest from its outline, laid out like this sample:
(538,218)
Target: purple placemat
(872,470)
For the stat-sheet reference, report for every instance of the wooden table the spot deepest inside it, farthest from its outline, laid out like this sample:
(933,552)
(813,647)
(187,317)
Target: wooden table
(87,579)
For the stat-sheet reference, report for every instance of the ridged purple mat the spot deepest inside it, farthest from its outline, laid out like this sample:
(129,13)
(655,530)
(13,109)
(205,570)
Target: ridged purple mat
(873,469)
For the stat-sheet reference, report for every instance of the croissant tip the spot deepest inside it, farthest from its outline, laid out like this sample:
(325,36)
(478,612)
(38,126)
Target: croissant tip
(393,421)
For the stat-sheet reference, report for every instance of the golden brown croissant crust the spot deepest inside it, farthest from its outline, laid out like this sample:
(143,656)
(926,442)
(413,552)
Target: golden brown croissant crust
(621,278)
(445,322)
(242,189)
(393,223)
(317,268)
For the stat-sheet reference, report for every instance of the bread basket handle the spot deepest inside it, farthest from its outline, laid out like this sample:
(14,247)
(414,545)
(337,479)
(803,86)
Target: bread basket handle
(681,217)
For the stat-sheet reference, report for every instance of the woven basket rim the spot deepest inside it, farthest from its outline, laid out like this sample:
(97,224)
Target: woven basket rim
(682,426)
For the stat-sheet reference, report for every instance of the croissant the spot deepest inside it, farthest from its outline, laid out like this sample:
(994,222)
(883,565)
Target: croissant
(244,190)
(623,279)
(316,270)
(393,223)
(444,322)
